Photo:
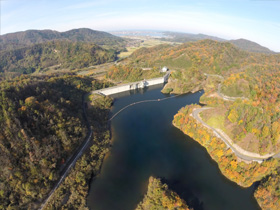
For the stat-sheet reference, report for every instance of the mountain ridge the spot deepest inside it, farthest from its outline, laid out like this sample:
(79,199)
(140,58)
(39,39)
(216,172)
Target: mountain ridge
(251,46)
(29,37)
(241,43)
(64,53)
(33,36)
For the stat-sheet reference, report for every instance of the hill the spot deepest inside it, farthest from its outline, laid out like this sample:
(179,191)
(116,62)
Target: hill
(250,46)
(42,124)
(29,37)
(64,54)
(219,56)
(191,61)
(188,37)
(240,43)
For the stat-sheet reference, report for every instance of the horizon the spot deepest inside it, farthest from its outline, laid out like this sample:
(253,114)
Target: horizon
(144,30)
(255,20)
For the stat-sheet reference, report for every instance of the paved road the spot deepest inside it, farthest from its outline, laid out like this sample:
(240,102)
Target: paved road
(226,98)
(74,158)
(238,153)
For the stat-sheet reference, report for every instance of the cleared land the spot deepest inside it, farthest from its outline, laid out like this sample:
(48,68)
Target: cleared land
(142,41)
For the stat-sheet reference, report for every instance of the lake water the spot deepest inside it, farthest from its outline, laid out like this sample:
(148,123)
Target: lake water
(146,144)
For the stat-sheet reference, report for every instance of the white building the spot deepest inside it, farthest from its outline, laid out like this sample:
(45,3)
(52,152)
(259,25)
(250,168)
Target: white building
(164,69)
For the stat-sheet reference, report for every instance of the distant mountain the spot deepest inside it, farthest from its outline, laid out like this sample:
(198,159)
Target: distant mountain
(243,44)
(186,37)
(29,37)
(250,46)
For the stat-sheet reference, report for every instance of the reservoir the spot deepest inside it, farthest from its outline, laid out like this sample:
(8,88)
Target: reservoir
(145,143)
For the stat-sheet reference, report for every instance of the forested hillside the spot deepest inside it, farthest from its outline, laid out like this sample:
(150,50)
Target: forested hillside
(30,37)
(64,54)
(160,197)
(195,59)
(191,61)
(129,73)
(41,125)
(257,119)
(207,55)
(243,90)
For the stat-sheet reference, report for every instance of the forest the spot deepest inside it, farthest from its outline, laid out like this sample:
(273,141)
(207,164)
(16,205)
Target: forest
(252,121)
(22,39)
(42,119)
(63,54)
(72,193)
(129,73)
(158,196)
(41,125)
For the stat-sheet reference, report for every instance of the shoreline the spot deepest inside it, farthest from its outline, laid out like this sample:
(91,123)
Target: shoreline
(248,173)
(240,152)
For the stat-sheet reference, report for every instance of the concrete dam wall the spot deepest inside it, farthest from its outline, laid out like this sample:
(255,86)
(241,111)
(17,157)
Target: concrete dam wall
(132,85)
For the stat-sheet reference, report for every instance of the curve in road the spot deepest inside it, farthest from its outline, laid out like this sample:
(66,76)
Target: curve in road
(237,151)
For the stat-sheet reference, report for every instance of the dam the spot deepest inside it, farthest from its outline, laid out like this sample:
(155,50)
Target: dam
(132,86)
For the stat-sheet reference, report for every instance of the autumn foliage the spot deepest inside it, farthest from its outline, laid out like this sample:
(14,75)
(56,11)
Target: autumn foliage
(41,125)
(160,197)
(244,174)
(268,192)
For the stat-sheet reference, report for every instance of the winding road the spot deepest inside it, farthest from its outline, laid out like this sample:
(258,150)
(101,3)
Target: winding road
(73,159)
(223,96)
(239,152)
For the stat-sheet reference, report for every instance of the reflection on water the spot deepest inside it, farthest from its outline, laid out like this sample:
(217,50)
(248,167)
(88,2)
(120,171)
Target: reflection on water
(145,144)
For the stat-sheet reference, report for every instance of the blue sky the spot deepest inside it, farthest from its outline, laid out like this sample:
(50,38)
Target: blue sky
(256,20)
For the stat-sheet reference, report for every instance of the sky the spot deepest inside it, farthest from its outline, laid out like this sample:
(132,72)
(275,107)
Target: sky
(255,20)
